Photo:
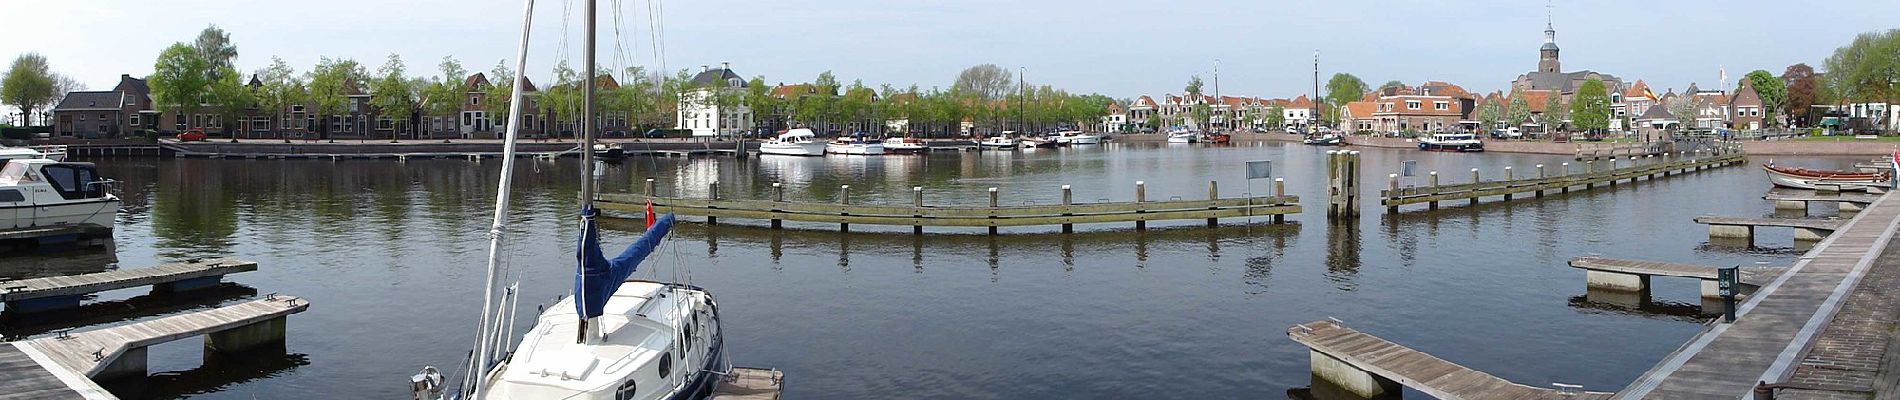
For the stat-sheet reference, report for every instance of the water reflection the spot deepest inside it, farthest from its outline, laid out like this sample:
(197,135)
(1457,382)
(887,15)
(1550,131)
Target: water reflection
(28,264)
(1342,253)
(218,372)
(17,326)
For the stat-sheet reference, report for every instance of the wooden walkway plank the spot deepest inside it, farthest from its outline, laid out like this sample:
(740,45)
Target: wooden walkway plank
(965,216)
(1809,223)
(1418,370)
(1472,190)
(750,384)
(76,351)
(119,279)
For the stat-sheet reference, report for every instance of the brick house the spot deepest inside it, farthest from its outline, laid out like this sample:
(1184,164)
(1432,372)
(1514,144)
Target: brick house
(1745,107)
(121,112)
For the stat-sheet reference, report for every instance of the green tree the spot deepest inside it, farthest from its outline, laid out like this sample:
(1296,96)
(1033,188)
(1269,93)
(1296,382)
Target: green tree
(1344,88)
(281,89)
(443,98)
(564,98)
(498,94)
(230,99)
(1392,84)
(1773,93)
(1198,113)
(1519,111)
(28,85)
(1490,113)
(179,79)
(1276,117)
(393,96)
(331,83)
(1867,69)
(1554,111)
(1590,111)
(988,81)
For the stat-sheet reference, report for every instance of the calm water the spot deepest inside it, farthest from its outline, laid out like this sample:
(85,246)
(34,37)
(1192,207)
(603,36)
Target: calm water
(391,257)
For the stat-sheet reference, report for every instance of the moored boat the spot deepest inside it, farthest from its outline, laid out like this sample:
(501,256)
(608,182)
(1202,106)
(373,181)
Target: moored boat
(795,142)
(1805,178)
(1461,142)
(1002,142)
(38,192)
(1183,136)
(1077,137)
(904,145)
(854,146)
(1037,143)
(1325,140)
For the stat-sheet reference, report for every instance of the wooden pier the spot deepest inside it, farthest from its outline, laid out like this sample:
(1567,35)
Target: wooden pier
(1780,322)
(1627,281)
(1605,151)
(918,215)
(66,365)
(1370,367)
(1849,202)
(1805,229)
(750,384)
(1539,181)
(65,292)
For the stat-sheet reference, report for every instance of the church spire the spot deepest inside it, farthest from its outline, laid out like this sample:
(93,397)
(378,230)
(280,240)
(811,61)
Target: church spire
(1547,55)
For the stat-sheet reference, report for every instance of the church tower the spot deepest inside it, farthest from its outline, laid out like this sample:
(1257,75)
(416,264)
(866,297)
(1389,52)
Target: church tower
(1547,56)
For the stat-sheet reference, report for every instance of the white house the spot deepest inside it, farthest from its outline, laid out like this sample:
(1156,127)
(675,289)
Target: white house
(698,113)
(1116,119)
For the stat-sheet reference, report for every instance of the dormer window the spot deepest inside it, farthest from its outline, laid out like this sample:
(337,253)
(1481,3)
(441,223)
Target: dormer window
(474,100)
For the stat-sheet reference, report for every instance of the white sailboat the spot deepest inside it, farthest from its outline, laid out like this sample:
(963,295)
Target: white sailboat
(613,338)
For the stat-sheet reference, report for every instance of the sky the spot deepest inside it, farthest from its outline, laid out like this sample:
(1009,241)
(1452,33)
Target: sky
(1119,48)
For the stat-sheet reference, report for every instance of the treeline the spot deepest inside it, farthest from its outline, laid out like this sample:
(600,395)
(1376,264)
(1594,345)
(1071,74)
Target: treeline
(983,95)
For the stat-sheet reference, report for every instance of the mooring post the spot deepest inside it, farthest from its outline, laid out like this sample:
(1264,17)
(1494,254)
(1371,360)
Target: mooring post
(1613,172)
(844,203)
(778,195)
(917,202)
(1540,180)
(650,188)
(1433,205)
(712,192)
(1475,179)
(1279,191)
(1391,194)
(1067,199)
(1508,177)
(1213,194)
(1141,196)
(993,203)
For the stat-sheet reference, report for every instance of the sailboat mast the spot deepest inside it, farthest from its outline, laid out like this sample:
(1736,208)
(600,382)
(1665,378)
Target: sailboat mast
(587,114)
(498,231)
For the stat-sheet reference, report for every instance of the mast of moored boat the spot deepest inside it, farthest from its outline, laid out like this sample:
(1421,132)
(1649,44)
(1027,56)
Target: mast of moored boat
(490,330)
(587,148)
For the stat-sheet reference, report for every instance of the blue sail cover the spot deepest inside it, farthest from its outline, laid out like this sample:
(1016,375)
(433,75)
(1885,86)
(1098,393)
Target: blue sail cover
(598,277)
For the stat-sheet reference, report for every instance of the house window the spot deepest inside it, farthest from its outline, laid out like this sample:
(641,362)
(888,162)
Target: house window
(474,100)
(384,123)
(133,119)
(1439,105)
(296,108)
(82,117)
(1411,105)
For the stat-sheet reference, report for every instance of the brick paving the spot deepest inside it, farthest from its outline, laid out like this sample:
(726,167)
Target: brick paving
(1855,356)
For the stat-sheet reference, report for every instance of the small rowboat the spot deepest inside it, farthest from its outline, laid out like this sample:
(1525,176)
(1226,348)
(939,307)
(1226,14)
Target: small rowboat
(1804,178)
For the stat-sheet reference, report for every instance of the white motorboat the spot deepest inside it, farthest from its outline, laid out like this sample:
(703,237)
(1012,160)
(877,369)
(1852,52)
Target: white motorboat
(613,337)
(904,145)
(1077,137)
(1036,142)
(37,192)
(1183,136)
(853,146)
(795,142)
(999,142)
(48,152)
(1462,142)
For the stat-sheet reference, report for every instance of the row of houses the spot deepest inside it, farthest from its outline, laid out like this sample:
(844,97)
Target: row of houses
(128,110)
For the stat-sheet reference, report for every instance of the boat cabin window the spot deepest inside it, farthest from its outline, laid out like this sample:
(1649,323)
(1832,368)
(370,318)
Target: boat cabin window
(18,172)
(626,390)
(73,182)
(666,366)
(10,195)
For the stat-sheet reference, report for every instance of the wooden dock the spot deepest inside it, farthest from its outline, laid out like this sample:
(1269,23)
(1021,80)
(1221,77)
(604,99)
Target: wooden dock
(750,384)
(1777,324)
(1749,276)
(918,215)
(1541,181)
(60,292)
(1371,367)
(91,352)
(25,376)
(1805,229)
(1627,282)
(1847,202)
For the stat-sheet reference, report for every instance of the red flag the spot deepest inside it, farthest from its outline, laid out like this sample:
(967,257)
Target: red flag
(650,214)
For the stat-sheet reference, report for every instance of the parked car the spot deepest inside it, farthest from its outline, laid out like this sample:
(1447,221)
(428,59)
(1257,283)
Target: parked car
(193,135)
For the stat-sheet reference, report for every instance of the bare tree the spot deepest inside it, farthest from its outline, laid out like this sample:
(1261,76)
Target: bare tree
(988,81)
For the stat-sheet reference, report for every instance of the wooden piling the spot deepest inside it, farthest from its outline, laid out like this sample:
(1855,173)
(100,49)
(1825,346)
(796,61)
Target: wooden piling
(917,201)
(993,204)
(1434,204)
(1141,195)
(778,195)
(1068,199)
(1279,190)
(650,188)
(1540,176)
(1213,193)
(1392,190)
(712,192)
(1475,179)
(1507,178)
